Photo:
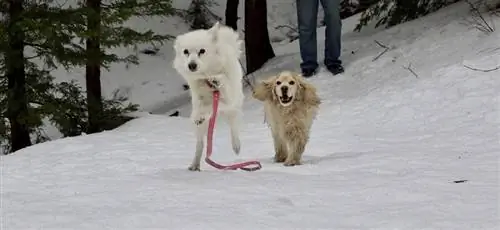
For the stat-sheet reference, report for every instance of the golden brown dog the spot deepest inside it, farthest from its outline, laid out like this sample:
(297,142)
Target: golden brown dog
(290,104)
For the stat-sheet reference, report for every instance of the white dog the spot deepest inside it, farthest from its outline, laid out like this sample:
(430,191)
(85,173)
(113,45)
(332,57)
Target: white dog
(209,60)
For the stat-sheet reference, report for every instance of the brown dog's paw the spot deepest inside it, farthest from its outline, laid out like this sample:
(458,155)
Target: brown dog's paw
(279,158)
(291,163)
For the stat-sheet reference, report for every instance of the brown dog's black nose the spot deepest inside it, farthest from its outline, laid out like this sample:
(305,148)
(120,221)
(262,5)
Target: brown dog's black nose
(284,89)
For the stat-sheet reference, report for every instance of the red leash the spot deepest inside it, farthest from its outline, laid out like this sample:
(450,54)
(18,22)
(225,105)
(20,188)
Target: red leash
(211,126)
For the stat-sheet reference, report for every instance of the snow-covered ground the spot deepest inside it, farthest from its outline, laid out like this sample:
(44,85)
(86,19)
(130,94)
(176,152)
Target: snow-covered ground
(389,150)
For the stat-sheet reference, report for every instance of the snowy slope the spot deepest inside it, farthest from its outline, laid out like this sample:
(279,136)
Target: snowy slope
(388,151)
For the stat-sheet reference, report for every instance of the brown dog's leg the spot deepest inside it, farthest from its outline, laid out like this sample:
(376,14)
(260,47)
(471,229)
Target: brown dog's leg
(295,155)
(298,138)
(280,153)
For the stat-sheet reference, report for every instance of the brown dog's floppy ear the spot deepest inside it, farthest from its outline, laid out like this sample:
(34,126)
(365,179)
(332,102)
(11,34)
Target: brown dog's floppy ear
(307,92)
(264,90)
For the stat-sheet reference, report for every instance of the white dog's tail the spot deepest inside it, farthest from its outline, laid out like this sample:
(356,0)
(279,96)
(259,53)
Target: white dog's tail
(227,40)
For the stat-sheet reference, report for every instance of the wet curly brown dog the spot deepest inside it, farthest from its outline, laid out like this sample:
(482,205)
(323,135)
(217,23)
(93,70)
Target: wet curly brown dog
(291,104)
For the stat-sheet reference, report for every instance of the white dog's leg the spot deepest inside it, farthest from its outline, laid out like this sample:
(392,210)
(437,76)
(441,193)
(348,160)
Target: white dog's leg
(234,121)
(200,116)
(199,111)
(201,131)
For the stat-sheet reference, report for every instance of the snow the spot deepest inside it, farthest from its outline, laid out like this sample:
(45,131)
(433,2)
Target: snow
(388,150)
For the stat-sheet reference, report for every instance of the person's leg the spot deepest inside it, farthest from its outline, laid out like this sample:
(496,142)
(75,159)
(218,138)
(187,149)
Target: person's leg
(307,14)
(333,33)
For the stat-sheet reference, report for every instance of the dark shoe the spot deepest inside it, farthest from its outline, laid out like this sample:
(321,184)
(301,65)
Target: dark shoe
(335,69)
(308,72)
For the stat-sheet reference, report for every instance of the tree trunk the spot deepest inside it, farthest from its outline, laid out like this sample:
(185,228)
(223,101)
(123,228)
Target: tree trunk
(17,110)
(232,13)
(93,68)
(257,44)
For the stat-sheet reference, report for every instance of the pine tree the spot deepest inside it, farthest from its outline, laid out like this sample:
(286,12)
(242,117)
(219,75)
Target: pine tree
(17,106)
(105,29)
(28,27)
(49,36)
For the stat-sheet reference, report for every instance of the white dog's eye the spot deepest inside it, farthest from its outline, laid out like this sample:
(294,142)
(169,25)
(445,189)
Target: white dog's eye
(202,51)
(291,83)
(186,52)
(278,82)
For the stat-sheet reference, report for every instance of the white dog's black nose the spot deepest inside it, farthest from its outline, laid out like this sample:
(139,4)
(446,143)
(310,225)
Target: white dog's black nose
(192,66)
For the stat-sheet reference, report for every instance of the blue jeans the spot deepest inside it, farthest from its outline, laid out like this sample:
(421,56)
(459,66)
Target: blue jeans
(307,13)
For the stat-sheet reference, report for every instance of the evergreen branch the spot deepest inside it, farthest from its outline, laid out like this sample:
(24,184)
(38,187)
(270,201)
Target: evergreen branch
(124,36)
(124,9)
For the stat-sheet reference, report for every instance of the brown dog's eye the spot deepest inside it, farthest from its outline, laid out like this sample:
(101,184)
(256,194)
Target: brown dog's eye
(278,82)
(291,82)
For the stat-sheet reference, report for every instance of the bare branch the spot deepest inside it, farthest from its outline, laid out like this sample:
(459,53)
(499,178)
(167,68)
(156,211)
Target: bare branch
(245,76)
(482,70)
(478,21)
(286,26)
(381,45)
(386,48)
(411,70)
(247,81)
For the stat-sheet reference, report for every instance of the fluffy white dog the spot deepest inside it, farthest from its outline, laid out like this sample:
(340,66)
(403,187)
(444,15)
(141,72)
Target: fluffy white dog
(209,60)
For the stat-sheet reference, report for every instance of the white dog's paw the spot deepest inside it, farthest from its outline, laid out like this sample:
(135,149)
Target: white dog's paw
(236,148)
(194,168)
(200,118)
(214,83)
(235,142)
(199,121)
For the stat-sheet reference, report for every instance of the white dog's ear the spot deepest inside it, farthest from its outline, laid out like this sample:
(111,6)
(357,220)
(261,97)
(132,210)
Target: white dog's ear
(216,26)
(213,31)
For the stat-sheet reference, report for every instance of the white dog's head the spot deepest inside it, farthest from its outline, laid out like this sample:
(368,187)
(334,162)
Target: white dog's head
(197,53)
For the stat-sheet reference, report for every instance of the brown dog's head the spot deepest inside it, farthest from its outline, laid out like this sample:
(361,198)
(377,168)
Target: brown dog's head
(286,88)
